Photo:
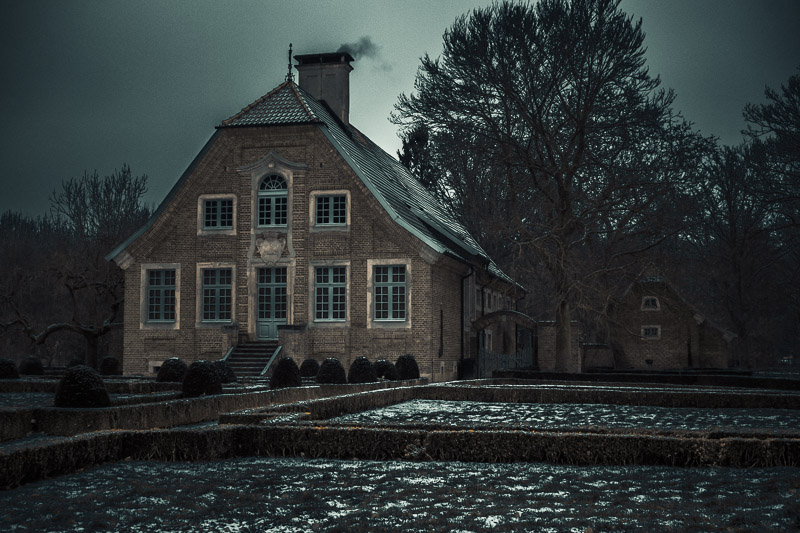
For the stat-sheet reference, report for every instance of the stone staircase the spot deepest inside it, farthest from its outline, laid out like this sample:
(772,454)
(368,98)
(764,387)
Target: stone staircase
(249,359)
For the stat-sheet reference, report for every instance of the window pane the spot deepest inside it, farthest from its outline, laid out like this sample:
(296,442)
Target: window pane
(264,211)
(210,220)
(154,305)
(169,304)
(322,303)
(226,213)
(323,209)
(280,302)
(339,303)
(339,210)
(281,211)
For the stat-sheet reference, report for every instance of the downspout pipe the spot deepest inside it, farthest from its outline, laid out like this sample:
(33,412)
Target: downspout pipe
(461,333)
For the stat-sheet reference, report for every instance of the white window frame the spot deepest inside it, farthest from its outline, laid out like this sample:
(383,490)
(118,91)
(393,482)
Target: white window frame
(279,193)
(312,293)
(201,203)
(383,323)
(144,323)
(199,322)
(312,211)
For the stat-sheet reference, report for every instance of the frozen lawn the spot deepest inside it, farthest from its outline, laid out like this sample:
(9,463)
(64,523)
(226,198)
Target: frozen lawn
(554,416)
(263,494)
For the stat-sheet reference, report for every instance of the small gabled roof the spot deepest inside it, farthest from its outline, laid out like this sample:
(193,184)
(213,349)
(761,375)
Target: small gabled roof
(282,105)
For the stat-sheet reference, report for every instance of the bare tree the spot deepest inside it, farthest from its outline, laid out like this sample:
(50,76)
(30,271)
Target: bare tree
(60,281)
(584,143)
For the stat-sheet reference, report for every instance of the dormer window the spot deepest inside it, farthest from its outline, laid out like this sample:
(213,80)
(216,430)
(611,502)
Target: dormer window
(273,201)
(650,303)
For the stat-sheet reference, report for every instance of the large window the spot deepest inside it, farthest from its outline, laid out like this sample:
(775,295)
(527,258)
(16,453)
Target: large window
(273,201)
(217,294)
(390,292)
(330,293)
(331,210)
(161,295)
(218,213)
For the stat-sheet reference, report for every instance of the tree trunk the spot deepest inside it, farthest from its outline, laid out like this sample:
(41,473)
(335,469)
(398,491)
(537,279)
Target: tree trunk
(564,362)
(91,350)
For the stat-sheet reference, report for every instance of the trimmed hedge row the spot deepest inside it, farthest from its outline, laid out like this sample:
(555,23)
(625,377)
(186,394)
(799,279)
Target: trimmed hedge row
(158,414)
(716,379)
(114,386)
(33,463)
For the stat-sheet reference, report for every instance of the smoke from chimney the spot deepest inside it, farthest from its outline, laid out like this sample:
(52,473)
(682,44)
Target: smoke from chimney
(363,47)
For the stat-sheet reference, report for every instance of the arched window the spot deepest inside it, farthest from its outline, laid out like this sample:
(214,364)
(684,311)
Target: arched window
(273,201)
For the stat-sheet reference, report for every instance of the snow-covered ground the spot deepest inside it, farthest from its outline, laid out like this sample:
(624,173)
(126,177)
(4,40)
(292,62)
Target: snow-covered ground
(555,416)
(264,494)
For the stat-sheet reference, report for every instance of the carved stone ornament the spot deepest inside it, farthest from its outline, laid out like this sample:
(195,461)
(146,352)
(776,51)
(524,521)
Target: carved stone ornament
(270,247)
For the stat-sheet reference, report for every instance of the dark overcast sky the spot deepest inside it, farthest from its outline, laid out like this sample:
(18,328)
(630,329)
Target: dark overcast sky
(94,84)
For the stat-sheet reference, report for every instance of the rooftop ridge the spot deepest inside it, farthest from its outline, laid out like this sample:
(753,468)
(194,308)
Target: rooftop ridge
(288,86)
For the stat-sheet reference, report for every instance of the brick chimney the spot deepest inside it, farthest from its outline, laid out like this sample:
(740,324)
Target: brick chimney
(327,77)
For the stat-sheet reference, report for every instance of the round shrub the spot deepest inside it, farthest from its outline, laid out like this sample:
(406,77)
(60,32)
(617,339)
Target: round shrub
(173,369)
(361,371)
(75,361)
(201,378)
(407,367)
(309,368)
(81,386)
(331,371)
(109,366)
(8,369)
(286,374)
(31,366)
(385,369)
(225,371)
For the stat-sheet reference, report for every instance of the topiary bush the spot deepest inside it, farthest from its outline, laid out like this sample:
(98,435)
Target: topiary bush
(331,371)
(309,368)
(225,371)
(8,369)
(110,366)
(385,369)
(31,366)
(173,369)
(407,367)
(75,361)
(286,374)
(361,371)
(81,386)
(201,378)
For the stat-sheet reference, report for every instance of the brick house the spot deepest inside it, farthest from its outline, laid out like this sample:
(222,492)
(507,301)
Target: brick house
(656,328)
(291,226)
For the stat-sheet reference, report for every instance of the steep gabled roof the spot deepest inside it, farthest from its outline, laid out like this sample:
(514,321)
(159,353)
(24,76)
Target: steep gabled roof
(395,188)
(652,276)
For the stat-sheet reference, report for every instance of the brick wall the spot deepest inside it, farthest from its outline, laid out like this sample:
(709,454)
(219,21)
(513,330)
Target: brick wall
(433,282)
(685,339)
